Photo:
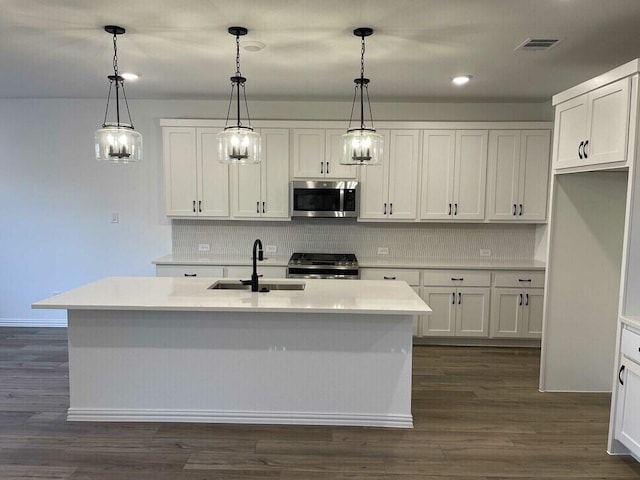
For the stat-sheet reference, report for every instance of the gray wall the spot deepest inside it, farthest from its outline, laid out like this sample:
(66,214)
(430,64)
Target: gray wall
(57,200)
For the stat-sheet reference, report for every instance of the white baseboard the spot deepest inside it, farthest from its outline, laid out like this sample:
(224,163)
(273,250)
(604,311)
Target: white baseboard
(212,416)
(33,322)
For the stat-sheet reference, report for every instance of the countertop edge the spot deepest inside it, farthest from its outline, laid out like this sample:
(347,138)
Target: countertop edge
(45,306)
(414,264)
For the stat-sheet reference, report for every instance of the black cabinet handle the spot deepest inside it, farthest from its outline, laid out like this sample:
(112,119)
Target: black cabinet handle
(453,298)
(385,208)
(520,209)
(327,168)
(391,209)
(580,149)
(454,279)
(449,209)
(200,206)
(194,206)
(524,279)
(190,274)
(459,298)
(526,303)
(389,278)
(620,373)
(263,208)
(520,301)
(514,209)
(455,208)
(584,149)
(257,207)
(322,167)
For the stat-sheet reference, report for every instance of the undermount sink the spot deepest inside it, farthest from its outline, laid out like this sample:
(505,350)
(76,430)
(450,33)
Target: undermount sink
(262,286)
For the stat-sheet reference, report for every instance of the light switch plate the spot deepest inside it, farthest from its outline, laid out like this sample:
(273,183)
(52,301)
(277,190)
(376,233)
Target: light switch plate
(383,251)
(271,248)
(115,217)
(485,252)
(203,247)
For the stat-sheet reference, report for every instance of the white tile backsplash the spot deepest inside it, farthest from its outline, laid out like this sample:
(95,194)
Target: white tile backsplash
(419,240)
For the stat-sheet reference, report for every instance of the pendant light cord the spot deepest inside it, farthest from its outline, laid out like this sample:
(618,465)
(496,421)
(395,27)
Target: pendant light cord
(363,86)
(119,81)
(236,83)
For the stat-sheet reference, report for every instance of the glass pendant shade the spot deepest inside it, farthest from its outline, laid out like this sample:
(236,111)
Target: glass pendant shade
(118,143)
(239,145)
(362,147)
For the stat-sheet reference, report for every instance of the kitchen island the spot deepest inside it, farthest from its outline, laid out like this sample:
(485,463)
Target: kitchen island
(174,350)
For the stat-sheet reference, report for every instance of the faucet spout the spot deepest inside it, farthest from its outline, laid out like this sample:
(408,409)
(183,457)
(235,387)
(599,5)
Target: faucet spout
(257,255)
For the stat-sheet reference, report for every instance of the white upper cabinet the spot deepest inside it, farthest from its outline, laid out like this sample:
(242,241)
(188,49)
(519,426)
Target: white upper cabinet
(196,184)
(438,149)
(262,190)
(454,169)
(518,175)
(317,153)
(593,128)
(333,155)
(390,191)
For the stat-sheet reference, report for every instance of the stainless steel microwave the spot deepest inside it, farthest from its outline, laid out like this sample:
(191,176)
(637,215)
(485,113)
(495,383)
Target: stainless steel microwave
(324,198)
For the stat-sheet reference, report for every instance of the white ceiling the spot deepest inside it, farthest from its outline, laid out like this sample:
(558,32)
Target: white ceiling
(181,49)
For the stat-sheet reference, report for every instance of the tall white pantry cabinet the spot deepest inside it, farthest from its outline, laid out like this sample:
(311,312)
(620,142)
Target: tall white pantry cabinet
(591,324)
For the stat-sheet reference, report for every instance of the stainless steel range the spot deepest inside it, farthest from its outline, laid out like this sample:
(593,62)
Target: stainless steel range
(323,265)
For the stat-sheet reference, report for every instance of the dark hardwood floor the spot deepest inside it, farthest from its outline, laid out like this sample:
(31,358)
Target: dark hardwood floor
(477,413)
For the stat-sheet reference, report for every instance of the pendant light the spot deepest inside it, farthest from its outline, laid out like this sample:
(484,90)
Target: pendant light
(238,144)
(362,145)
(117,141)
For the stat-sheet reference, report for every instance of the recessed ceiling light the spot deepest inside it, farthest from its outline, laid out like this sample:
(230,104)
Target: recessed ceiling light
(252,45)
(132,77)
(461,79)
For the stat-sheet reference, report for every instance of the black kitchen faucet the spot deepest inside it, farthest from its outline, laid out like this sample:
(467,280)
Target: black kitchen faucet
(257,245)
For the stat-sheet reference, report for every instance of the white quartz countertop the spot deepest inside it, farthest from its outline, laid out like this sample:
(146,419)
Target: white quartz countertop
(364,262)
(192,294)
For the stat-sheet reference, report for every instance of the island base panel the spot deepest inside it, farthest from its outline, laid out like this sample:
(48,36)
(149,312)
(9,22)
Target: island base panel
(234,367)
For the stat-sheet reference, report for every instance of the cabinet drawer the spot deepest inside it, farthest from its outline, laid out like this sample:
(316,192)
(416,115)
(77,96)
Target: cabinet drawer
(466,278)
(630,346)
(245,272)
(189,271)
(522,279)
(412,277)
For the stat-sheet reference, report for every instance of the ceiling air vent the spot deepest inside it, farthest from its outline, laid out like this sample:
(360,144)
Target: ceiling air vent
(537,44)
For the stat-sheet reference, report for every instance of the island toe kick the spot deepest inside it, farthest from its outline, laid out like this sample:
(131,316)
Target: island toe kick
(240,367)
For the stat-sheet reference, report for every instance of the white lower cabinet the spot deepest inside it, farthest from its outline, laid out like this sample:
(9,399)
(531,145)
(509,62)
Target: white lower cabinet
(411,276)
(218,271)
(459,312)
(516,313)
(459,301)
(189,271)
(245,272)
(517,300)
(627,426)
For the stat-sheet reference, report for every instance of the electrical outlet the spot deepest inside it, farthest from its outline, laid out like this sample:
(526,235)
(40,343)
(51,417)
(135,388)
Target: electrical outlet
(271,248)
(485,252)
(203,247)
(115,217)
(383,251)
